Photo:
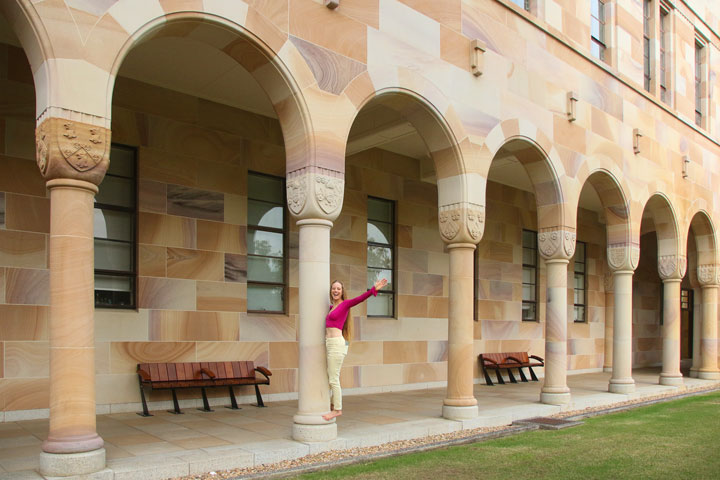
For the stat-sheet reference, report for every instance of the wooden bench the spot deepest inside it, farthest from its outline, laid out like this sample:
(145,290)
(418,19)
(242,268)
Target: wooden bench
(508,361)
(172,376)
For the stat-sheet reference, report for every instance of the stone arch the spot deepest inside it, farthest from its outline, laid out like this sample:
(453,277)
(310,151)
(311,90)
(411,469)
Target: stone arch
(667,229)
(613,195)
(543,166)
(27,26)
(256,46)
(437,122)
(701,225)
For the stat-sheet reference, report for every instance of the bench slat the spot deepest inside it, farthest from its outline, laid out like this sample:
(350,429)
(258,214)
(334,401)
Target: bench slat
(172,373)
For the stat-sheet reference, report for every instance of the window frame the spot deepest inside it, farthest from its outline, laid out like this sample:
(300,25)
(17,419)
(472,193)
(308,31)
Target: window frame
(525,4)
(699,74)
(600,41)
(393,248)
(585,280)
(134,212)
(664,57)
(284,232)
(647,45)
(536,267)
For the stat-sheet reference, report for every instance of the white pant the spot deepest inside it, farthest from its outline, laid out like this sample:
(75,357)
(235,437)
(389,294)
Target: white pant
(336,348)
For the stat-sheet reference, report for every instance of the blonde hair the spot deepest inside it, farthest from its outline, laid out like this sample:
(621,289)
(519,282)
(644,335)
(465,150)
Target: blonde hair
(347,329)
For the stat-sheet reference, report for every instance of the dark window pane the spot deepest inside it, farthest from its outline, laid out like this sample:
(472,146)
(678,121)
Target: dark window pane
(261,269)
(529,239)
(379,257)
(529,311)
(116,191)
(379,232)
(529,256)
(265,298)
(122,162)
(114,225)
(114,291)
(265,214)
(261,187)
(380,210)
(264,243)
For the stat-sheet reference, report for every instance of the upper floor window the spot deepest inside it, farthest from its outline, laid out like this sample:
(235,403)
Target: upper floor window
(381,255)
(114,226)
(597,29)
(664,42)
(524,4)
(266,244)
(529,275)
(699,84)
(579,285)
(646,44)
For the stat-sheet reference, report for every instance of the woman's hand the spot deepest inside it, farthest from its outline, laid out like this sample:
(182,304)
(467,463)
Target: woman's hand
(380,283)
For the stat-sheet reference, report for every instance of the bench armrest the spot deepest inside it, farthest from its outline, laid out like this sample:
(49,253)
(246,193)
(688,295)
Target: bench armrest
(264,371)
(207,372)
(490,361)
(514,360)
(143,374)
(535,357)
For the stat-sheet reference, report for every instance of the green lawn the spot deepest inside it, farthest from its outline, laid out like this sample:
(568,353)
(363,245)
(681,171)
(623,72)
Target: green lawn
(678,439)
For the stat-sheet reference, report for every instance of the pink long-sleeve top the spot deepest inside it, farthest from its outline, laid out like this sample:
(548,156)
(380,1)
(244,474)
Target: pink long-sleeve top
(337,316)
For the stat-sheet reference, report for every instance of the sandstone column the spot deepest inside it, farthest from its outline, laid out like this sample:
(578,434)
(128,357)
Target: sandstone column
(708,276)
(73,157)
(697,331)
(315,198)
(461,225)
(609,322)
(622,260)
(557,246)
(671,269)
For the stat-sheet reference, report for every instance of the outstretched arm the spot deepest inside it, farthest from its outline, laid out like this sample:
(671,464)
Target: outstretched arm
(373,291)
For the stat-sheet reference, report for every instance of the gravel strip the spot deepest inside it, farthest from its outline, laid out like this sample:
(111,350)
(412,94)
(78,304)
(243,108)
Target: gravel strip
(337,458)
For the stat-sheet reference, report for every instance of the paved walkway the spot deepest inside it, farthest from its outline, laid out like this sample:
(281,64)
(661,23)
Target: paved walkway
(167,445)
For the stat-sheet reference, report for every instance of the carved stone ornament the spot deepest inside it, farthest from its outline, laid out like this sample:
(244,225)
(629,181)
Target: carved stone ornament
(449,223)
(296,189)
(671,266)
(71,149)
(475,222)
(550,243)
(329,192)
(708,274)
(623,256)
(609,283)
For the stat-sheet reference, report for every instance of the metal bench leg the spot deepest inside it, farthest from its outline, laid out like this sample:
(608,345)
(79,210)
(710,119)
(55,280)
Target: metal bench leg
(145,412)
(177,410)
(522,375)
(206,404)
(532,375)
(233,402)
(258,396)
(488,380)
(499,377)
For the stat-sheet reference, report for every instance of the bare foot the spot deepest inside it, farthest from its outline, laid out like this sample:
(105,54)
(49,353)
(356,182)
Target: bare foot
(329,416)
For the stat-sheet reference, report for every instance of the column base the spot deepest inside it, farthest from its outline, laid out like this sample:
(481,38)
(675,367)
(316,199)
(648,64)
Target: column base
(694,373)
(69,464)
(623,386)
(315,433)
(607,369)
(459,413)
(708,375)
(555,398)
(671,380)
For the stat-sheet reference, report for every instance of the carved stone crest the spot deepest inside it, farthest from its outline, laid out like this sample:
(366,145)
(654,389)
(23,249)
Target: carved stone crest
(549,242)
(707,274)
(617,256)
(82,146)
(557,242)
(296,189)
(449,223)
(329,192)
(671,266)
(475,222)
(623,256)
(609,283)
(41,147)
(569,243)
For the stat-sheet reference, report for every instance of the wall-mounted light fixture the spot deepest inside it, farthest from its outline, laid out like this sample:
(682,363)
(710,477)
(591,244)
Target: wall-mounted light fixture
(477,62)
(332,4)
(571,104)
(636,140)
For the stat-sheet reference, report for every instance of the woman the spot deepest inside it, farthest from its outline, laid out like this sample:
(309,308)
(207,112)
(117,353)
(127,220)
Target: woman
(336,336)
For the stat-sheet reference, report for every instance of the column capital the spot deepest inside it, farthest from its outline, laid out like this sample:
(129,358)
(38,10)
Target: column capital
(462,222)
(72,149)
(315,193)
(557,243)
(672,267)
(708,275)
(623,256)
